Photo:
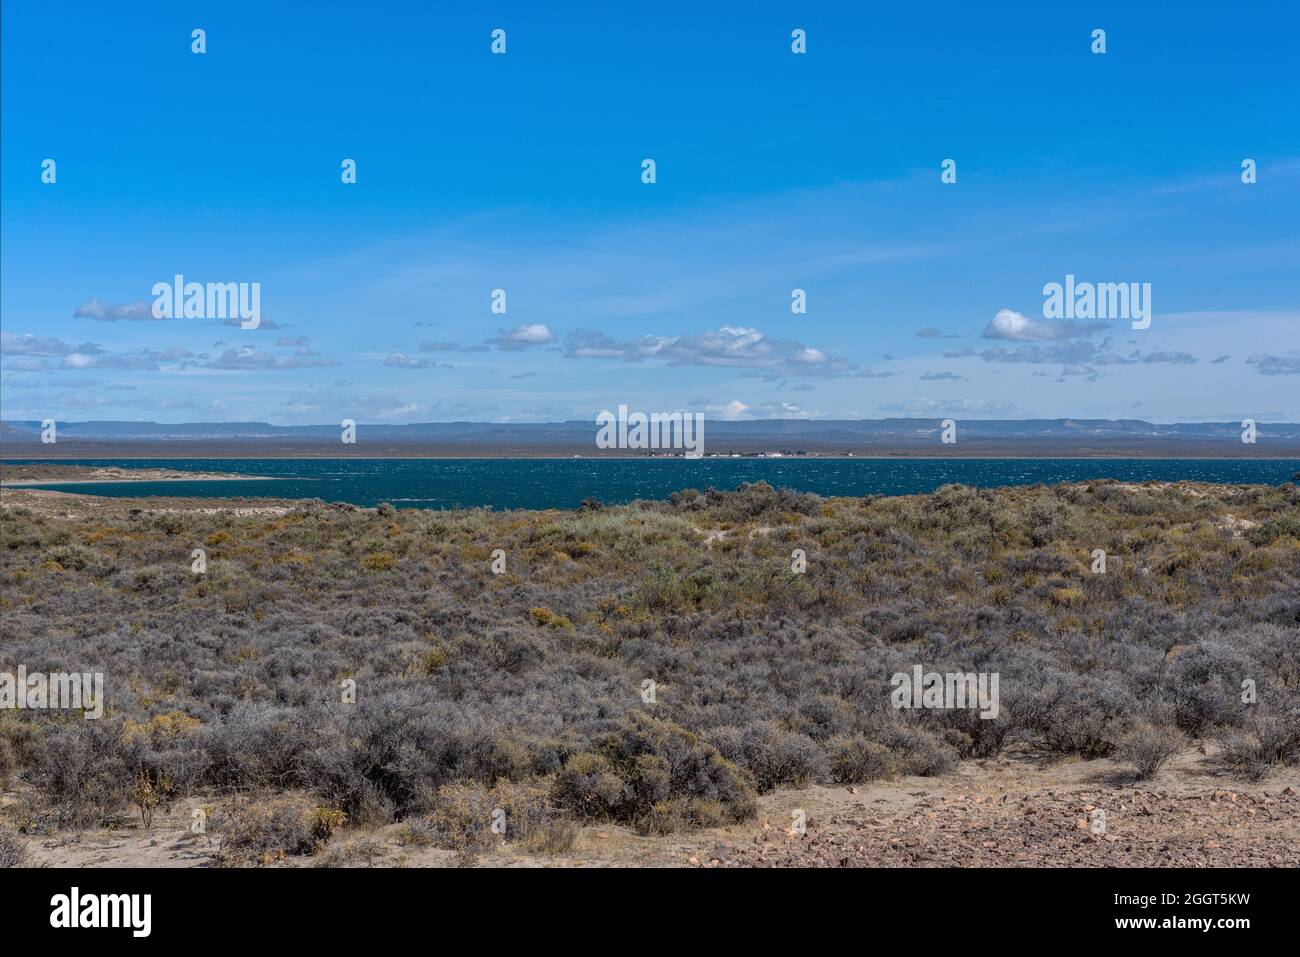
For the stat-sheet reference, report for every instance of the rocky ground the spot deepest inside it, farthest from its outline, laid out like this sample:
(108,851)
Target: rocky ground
(1143,828)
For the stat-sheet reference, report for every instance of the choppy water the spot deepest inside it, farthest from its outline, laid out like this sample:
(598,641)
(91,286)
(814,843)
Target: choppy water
(563,483)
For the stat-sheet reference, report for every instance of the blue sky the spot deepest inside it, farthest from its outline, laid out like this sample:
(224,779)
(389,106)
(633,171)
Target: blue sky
(775,171)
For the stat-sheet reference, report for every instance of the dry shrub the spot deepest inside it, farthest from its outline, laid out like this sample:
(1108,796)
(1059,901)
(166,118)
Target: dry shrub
(855,760)
(466,813)
(1270,739)
(1147,747)
(270,832)
(13,852)
(656,776)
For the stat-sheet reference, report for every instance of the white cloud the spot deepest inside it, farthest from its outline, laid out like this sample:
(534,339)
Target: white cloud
(735,409)
(732,347)
(133,363)
(29,345)
(525,337)
(400,360)
(1009,324)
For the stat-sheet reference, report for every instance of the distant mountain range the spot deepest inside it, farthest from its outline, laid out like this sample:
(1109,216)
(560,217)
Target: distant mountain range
(1028,437)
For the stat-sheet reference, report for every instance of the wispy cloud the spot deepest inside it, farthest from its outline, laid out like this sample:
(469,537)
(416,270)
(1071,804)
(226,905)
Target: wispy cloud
(450,347)
(972,407)
(107,312)
(1276,365)
(248,358)
(1170,356)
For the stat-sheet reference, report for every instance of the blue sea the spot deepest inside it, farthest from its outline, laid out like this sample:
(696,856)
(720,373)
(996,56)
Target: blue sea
(564,483)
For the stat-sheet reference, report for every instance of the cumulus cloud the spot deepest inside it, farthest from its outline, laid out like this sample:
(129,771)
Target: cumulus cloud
(29,345)
(525,337)
(400,360)
(1009,324)
(733,347)
(88,355)
(735,409)
(930,332)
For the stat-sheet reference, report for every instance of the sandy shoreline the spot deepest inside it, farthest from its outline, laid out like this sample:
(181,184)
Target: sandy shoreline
(70,474)
(193,478)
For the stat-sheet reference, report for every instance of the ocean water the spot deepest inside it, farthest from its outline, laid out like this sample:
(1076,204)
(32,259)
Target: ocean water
(564,483)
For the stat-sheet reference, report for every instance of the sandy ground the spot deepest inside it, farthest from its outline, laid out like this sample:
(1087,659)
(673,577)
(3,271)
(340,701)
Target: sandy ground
(1006,812)
(79,474)
(71,505)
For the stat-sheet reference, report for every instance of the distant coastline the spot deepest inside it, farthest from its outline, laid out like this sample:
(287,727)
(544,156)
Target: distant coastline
(86,453)
(866,438)
(567,483)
